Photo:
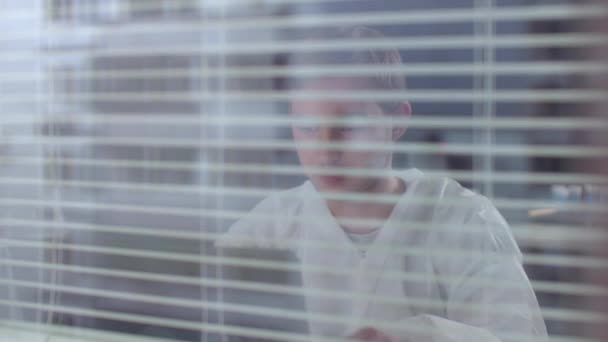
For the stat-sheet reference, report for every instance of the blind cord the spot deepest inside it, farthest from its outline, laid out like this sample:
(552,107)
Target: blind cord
(222,113)
(220,295)
(56,236)
(5,248)
(11,288)
(220,200)
(58,217)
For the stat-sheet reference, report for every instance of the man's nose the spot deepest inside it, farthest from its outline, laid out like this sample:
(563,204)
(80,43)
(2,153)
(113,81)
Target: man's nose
(328,153)
(329,134)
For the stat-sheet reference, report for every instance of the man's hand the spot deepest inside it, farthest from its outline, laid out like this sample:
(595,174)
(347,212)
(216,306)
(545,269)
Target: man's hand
(374,335)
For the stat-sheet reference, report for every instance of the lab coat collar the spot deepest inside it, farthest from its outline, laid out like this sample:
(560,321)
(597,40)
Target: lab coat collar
(373,265)
(367,271)
(314,203)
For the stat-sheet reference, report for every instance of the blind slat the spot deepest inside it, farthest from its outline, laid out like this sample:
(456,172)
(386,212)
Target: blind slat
(438,95)
(447,16)
(211,327)
(564,288)
(260,72)
(570,315)
(571,236)
(236,214)
(249,168)
(428,43)
(168,322)
(593,263)
(285,121)
(117,337)
(260,193)
(55,333)
(563,151)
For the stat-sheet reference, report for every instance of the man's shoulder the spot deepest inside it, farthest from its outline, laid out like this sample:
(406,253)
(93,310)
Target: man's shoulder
(463,217)
(270,221)
(281,202)
(449,202)
(443,191)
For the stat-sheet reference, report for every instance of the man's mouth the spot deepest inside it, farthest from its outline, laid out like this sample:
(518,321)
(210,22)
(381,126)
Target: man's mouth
(333,180)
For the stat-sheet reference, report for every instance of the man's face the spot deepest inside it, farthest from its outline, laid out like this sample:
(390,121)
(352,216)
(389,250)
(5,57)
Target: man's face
(346,112)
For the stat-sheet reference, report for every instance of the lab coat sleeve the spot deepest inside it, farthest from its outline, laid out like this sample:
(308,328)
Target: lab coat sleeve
(252,230)
(489,297)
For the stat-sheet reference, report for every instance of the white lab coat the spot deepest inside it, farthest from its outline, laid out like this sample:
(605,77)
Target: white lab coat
(464,279)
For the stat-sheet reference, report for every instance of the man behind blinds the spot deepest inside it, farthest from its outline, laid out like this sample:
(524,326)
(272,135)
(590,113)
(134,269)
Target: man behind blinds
(386,255)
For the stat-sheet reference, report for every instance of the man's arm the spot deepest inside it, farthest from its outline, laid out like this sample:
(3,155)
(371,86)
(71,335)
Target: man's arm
(489,296)
(487,293)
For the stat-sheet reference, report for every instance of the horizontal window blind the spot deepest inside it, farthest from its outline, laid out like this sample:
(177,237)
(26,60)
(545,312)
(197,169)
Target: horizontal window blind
(139,136)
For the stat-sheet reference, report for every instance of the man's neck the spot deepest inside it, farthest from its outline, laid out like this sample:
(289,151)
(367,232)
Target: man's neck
(372,210)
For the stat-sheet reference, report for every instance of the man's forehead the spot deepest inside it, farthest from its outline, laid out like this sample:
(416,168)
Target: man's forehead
(335,83)
(329,107)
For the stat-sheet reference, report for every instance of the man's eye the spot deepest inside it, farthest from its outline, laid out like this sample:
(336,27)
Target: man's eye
(308,129)
(351,129)
(346,129)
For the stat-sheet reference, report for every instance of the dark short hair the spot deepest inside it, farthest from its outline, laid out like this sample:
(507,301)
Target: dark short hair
(393,80)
